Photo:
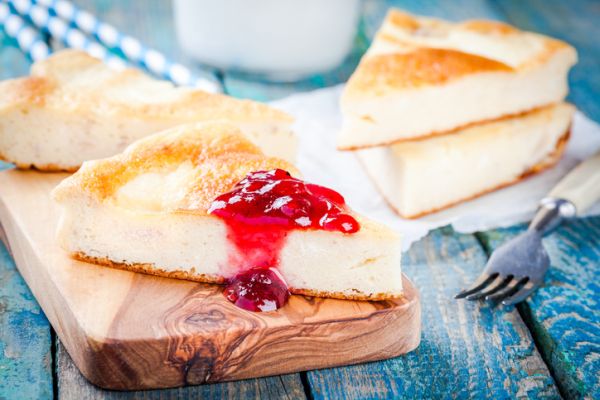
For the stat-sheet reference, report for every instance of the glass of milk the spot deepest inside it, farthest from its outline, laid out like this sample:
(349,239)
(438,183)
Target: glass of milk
(279,39)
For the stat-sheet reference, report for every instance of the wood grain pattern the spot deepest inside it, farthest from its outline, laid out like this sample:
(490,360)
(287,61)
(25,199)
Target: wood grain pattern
(73,386)
(564,314)
(468,350)
(134,331)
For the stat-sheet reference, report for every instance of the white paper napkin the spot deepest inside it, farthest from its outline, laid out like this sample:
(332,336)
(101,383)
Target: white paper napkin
(318,121)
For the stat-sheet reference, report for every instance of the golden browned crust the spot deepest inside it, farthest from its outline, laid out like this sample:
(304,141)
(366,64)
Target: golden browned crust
(445,132)
(402,20)
(39,167)
(218,152)
(344,296)
(50,168)
(405,21)
(420,67)
(549,162)
(23,92)
(411,23)
(204,278)
(94,89)
(409,62)
(46,167)
(489,27)
(72,83)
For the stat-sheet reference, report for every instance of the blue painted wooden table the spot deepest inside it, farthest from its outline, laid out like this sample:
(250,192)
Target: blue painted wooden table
(546,347)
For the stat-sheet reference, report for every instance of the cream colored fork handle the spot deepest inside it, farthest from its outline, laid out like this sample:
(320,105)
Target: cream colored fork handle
(581,186)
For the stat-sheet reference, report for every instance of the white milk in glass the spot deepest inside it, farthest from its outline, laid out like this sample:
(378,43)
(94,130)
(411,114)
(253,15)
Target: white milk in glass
(282,39)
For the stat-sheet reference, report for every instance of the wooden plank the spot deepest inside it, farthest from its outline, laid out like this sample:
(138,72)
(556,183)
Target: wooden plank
(130,331)
(468,350)
(73,386)
(577,23)
(564,315)
(25,338)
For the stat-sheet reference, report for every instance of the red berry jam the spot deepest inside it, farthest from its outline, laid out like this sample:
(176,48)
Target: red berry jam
(258,289)
(259,212)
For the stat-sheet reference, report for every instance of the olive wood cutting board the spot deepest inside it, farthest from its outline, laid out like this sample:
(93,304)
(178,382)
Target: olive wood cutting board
(132,331)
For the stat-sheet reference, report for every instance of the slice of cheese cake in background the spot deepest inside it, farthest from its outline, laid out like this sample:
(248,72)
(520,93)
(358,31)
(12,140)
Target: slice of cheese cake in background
(201,202)
(74,108)
(424,76)
(420,177)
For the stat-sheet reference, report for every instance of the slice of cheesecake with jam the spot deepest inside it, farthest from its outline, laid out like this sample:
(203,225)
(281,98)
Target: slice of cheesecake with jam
(202,202)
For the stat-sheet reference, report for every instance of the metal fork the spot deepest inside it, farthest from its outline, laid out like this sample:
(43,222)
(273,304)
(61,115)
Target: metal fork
(517,268)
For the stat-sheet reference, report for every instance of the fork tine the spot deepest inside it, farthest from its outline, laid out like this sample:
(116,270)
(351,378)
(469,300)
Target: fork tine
(499,283)
(481,282)
(509,290)
(521,294)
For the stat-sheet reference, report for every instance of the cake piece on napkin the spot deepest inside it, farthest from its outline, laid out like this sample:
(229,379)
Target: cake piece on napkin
(424,76)
(74,108)
(423,176)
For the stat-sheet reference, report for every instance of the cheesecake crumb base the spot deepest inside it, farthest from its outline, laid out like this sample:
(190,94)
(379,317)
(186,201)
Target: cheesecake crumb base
(150,269)
(39,167)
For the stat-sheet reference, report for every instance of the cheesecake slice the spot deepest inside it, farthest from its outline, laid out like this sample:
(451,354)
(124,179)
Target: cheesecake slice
(424,76)
(424,176)
(74,108)
(201,202)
